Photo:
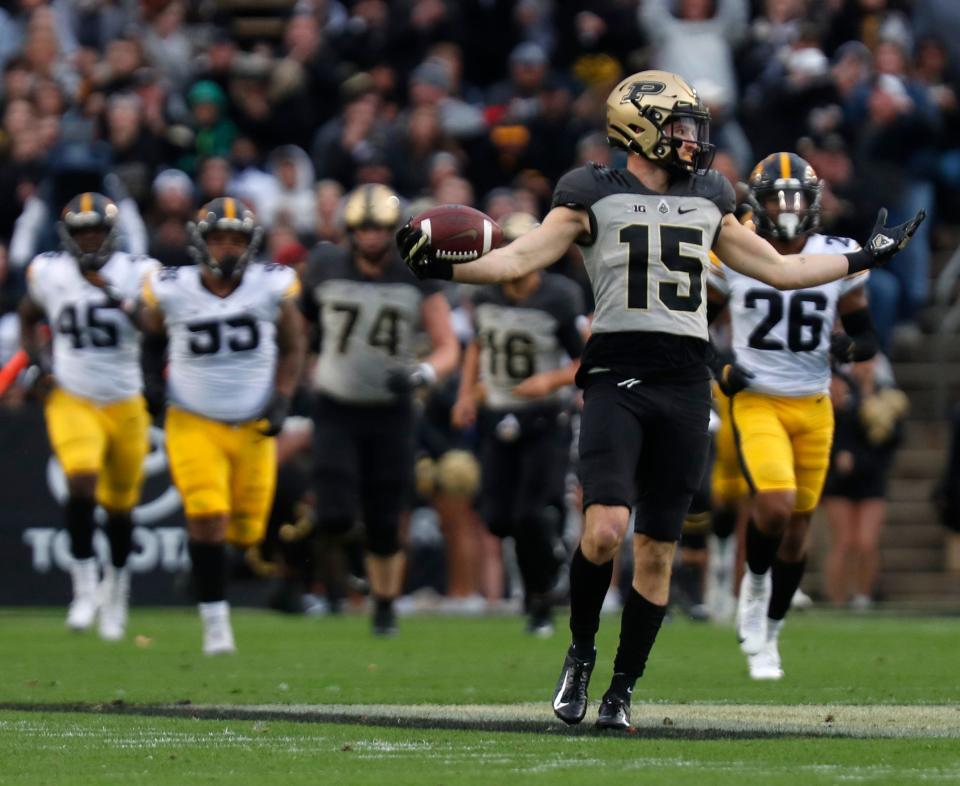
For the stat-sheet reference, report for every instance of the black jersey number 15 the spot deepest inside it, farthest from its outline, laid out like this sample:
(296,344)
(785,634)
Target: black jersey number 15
(637,238)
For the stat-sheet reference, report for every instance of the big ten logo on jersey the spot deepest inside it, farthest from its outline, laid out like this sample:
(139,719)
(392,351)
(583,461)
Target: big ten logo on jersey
(161,548)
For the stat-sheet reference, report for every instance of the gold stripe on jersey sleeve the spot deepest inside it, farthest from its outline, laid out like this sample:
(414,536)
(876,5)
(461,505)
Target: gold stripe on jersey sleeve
(229,208)
(784,166)
(292,291)
(147,294)
(86,202)
(717,264)
(854,276)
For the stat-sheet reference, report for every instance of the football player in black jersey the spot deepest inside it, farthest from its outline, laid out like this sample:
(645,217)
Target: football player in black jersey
(525,353)
(366,309)
(645,233)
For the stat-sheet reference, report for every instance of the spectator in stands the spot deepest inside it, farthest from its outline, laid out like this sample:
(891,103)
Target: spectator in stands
(214,131)
(869,411)
(293,202)
(172,206)
(136,151)
(697,42)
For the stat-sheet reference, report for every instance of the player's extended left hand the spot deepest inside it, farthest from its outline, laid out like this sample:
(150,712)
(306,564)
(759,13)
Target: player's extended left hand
(419,256)
(884,241)
(733,378)
(274,414)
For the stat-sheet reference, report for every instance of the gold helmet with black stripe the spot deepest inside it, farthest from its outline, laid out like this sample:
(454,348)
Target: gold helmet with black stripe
(658,115)
(784,192)
(372,205)
(224,214)
(88,229)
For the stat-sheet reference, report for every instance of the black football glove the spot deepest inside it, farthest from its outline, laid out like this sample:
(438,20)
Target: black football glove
(275,413)
(842,347)
(420,256)
(884,242)
(402,383)
(733,378)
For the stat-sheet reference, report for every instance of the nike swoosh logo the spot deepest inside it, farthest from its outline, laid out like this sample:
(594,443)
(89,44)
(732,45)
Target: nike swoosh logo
(557,704)
(681,210)
(470,234)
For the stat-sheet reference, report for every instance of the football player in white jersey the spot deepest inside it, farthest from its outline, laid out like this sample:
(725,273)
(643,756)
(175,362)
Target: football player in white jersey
(96,416)
(780,405)
(644,233)
(236,350)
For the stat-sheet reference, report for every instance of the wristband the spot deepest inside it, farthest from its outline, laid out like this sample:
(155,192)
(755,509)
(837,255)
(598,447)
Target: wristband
(859,261)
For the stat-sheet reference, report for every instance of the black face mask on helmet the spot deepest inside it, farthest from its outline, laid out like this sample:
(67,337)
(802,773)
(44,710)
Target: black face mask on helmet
(792,183)
(225,215)
(89,211)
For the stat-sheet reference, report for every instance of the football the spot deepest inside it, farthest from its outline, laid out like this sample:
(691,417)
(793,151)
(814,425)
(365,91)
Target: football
(459,233)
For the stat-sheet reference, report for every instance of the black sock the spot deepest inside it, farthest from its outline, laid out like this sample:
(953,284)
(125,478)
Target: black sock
(209,570)
(588,587)
(761,549)
(724,522)
(786,580)
(535,557)
(639,625)
(382,605)
(79,515)
(120,535)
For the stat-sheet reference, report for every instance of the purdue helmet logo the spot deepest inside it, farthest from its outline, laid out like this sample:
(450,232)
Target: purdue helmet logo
(640,89)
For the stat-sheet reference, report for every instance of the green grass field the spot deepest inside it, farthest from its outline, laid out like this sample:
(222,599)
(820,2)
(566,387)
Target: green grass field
(466,700)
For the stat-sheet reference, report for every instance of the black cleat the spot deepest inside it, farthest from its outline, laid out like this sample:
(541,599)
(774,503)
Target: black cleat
(614,712)
(540,620)
(385,622)
(570,696)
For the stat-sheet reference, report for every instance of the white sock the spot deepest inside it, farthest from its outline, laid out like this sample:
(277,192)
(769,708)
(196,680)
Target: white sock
(757,581)
(218,609)
(773,629)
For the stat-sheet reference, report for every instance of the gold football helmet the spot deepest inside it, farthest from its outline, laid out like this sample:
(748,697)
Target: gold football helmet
(372,205)
(516,224)
(646,111)
(793,183)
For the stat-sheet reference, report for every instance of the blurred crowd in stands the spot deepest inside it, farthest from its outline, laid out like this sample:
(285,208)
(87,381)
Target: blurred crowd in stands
(165,104)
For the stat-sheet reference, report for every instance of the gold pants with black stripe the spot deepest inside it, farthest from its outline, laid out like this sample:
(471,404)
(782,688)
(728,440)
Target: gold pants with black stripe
(784,443)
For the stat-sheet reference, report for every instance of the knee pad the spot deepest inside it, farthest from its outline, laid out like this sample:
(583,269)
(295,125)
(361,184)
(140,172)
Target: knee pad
(458,473)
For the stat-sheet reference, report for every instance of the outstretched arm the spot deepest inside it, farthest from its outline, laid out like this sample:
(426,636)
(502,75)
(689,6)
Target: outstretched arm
(753,256)
(534,250)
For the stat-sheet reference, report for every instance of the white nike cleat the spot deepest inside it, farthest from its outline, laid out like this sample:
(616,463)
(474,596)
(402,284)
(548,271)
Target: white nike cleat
(765,665)
(114,601)
(83,608)
(801,601)
(752,613)
(217,632)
